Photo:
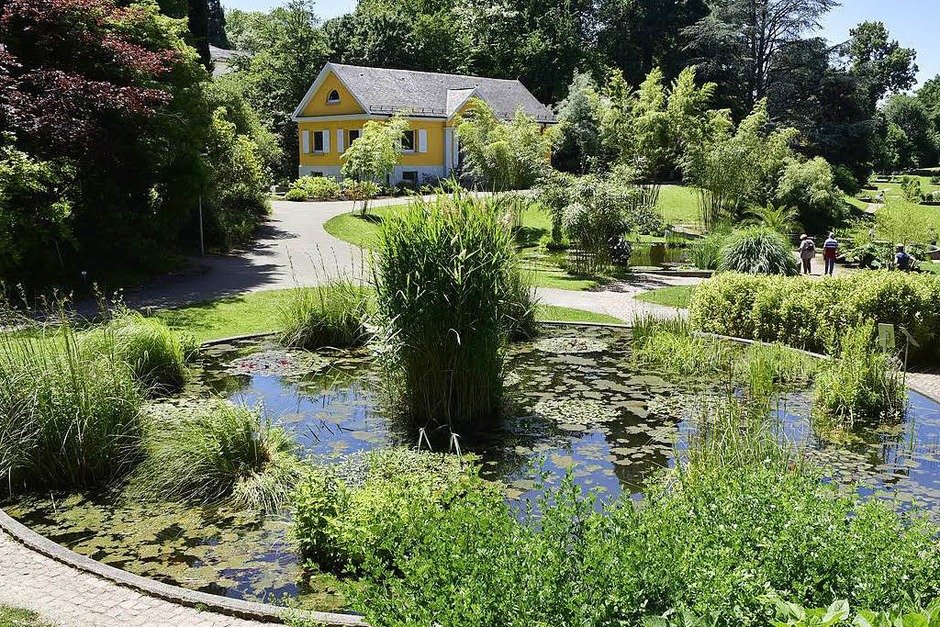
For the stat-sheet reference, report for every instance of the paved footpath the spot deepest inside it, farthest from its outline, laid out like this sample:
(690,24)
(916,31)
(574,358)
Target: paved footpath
(68,597)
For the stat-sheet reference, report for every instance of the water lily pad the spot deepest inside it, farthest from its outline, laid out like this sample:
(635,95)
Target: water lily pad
(278,363)
(570,345)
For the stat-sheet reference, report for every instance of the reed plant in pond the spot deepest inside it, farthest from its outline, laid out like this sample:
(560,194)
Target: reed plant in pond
(335,315)
(217,452)
(449,294)
(69,418)
(863,385)
(157,355)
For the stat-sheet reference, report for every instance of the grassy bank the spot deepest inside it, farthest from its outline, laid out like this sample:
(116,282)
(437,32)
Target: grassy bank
(257,312)
(670,296)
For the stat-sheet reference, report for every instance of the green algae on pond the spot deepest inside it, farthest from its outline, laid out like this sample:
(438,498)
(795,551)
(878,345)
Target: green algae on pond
(576,403)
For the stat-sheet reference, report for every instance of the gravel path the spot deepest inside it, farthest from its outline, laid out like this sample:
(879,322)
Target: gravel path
(619,299)
(71,598)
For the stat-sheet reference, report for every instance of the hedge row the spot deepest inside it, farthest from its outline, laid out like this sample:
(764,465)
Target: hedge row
(812,314)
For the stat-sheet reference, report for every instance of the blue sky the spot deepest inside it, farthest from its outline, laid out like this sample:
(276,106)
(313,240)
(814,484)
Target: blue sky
(912,22)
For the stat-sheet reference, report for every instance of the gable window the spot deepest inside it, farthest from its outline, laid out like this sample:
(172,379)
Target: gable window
(408,141)
(354,134)
(333,97)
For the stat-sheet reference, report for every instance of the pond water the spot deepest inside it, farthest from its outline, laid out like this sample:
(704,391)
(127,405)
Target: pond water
(576,402)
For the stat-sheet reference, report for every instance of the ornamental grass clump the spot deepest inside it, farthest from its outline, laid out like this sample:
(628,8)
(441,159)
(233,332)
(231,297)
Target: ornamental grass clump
(863,386)
(156,354)
(758,250)
(69,419)
(333,315)
(449,295)
(218,453)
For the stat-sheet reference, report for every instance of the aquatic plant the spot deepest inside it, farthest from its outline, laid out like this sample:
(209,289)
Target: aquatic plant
(705,253)
(217,452)
(863,385)
(335,314)
(449,294)
(741,517)
(156,354)
(67,419)
(340,527)
(758,250)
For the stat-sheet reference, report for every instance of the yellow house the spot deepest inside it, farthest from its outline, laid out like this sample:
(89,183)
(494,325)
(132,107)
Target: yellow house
(343,97)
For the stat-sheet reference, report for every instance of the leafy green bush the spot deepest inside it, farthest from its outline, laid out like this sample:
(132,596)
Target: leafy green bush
(911,189)
(327,315)
(218,452)
(705,253)
(712,538)
(316,188)
(339,527)
(813,314)
(864,385)
(68,418)
(447,285)
(811,188)
(758,250)
(839,613)
(295,194)
(156,354)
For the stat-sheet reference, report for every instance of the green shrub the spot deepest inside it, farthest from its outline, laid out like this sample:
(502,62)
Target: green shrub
(68,419)
(713,538)
(812,314)
(447,287)
(864,385)
(911,189)
(316,188)
(328,315)
(758,250)
(705,253)
(339,527)
(156,354)
(295,193)
(215,453)
(811,188)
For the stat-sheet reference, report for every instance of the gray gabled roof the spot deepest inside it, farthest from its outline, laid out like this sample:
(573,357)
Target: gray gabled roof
(383,90)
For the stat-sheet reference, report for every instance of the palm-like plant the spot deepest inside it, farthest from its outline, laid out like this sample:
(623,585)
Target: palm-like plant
(781,219)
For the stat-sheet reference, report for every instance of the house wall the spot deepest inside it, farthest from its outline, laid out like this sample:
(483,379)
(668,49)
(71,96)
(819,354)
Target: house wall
(428,162)
(318,105)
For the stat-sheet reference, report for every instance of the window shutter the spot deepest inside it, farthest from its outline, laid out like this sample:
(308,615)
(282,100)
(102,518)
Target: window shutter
(306,136)
(326,141)
(340,147)
(422,140)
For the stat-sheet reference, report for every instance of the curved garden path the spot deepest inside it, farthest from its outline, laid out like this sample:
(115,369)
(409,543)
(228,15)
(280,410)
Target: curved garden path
(69,597)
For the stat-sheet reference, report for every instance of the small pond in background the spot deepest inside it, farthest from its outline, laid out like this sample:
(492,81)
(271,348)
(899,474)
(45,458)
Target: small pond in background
(576,402)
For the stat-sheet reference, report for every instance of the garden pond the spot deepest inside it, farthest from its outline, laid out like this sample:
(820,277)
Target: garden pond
(576,402)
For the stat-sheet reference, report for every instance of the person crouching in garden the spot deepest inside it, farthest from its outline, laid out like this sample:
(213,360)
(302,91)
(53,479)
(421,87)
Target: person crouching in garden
(807,251)
(902,260)
(830,248)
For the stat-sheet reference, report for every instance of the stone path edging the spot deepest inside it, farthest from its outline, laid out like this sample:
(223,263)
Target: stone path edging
(249,610)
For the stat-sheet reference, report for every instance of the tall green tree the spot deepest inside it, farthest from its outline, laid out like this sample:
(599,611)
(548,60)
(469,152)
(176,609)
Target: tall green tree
(739,41)
(578,138)
(216,32)
(288,50)
(879,61)
(909,114)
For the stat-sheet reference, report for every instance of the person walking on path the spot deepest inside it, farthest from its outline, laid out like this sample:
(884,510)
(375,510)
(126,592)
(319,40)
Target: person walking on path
(830,248)
(807,252)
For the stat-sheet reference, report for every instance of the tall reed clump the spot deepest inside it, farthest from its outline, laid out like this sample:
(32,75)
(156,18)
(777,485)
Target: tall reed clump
(758,250)
(69,419)
(157,355)
(863,385)
(218,453)
(449,295)
(334,315)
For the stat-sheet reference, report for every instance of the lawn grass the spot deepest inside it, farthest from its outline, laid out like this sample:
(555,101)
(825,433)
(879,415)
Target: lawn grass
(15,617)
(361,231)
(680,205)
(256,312)
(671,296)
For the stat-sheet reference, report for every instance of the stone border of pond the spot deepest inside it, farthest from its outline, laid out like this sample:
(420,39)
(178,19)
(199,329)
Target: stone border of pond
(264,612)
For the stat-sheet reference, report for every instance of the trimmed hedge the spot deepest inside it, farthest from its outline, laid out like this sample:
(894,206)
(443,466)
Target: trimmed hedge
(812,314)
